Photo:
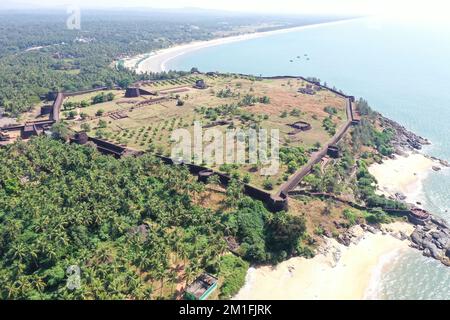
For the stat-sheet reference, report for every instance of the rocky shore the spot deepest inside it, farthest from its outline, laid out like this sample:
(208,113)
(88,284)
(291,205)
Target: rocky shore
(433,238)
(356,233)
(403,139)
(336,272)
(407,143)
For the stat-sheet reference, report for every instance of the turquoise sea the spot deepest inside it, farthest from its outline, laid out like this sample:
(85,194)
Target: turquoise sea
(402,69)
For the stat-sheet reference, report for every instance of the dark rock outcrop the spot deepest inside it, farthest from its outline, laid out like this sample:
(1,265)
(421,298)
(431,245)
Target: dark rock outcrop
(403,139)
(433,240)
(440,222)
(344,239)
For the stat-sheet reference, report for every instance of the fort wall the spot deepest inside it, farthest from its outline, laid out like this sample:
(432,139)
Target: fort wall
(277,202)
(409,213)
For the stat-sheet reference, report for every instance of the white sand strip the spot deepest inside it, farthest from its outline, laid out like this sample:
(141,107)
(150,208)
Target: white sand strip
(157,61)
(323,278)
(404,174)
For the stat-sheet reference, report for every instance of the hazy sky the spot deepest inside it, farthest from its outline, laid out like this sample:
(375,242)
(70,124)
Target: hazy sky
(417,8)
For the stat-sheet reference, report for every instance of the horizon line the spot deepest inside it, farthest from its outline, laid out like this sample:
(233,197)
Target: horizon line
(61,7)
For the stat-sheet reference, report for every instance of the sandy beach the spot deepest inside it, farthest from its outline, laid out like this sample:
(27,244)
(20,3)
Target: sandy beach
(346,273)
(157,61)
(404,175)
(342,273)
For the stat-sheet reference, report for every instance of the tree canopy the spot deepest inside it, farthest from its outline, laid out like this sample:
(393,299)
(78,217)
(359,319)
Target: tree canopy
(127,224)
(39,54)
(68,205)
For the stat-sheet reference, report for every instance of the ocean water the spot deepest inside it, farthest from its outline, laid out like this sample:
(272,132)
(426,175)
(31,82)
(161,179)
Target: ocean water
(402,69)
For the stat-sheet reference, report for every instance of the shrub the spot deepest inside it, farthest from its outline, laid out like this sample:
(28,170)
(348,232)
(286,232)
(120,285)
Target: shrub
(319,231)
(350,216)
(295,113)
(226,168)
(83,116)
(265,100)
(102,124)
(304,251)
(330,110)
(329,125)
(85,127)
(72,114)
(376,216)
(292,166)
(61,131)
(233,270)
(268,184)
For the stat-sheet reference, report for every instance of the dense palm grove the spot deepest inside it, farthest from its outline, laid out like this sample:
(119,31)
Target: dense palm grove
(128,224)
(81,59)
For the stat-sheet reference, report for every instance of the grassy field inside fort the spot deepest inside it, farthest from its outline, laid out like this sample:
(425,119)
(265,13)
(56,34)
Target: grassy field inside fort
(229,102)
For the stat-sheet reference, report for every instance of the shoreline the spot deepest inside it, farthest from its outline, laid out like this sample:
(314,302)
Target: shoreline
(156,61)
(336,272)
(372,291)
(402,177)
(356,272)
